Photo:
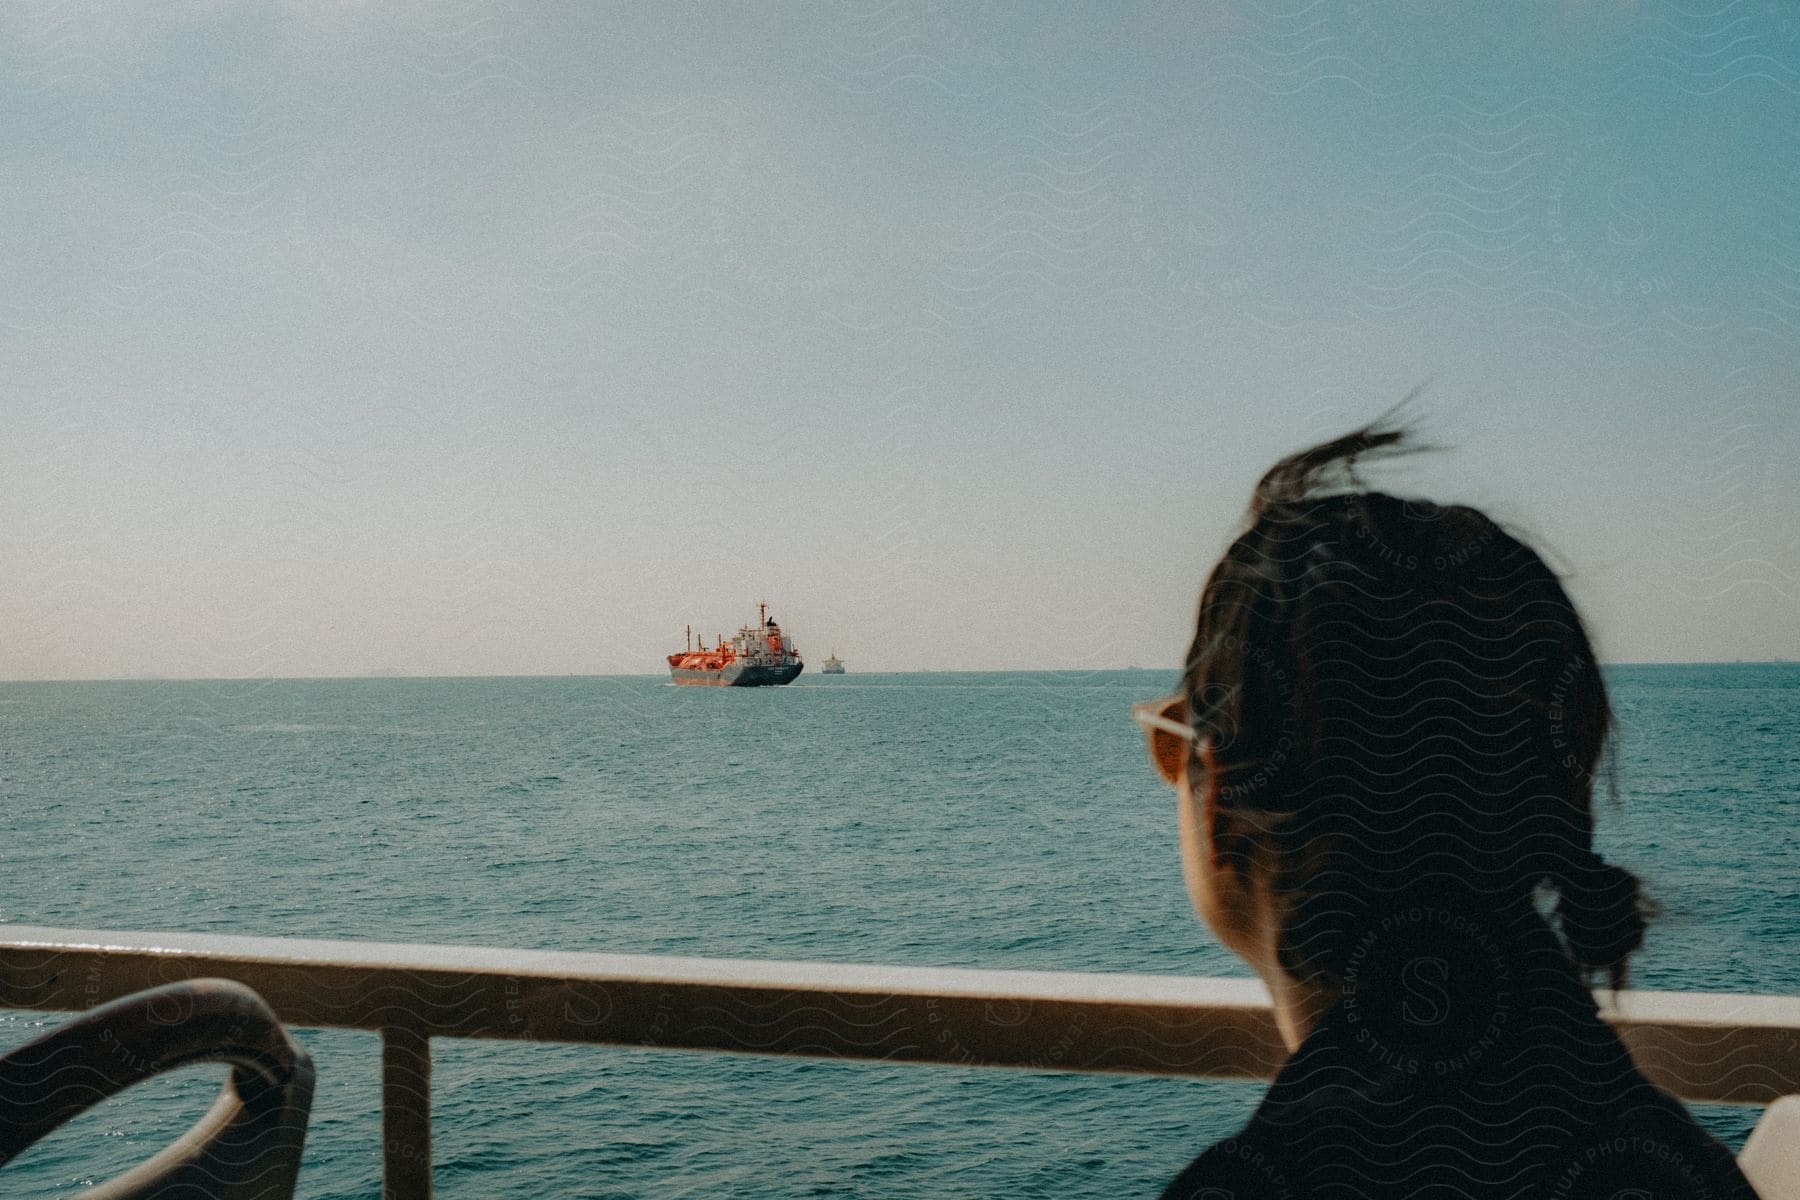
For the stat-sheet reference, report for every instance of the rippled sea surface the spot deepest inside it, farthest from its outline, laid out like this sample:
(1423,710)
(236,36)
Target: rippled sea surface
(949,820)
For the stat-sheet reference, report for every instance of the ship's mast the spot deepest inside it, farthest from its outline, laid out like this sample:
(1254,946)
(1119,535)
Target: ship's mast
(690,639)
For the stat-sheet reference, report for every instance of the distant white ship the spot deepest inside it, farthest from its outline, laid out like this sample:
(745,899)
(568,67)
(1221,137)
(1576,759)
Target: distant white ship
(833,666)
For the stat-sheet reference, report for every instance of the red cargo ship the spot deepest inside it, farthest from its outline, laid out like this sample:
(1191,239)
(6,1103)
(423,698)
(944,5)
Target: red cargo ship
(759,656)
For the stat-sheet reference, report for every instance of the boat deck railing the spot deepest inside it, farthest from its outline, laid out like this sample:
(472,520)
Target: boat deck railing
(1707,1047)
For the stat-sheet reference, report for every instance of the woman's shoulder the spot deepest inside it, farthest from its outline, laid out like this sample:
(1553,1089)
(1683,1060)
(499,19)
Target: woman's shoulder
(1555,1108)
(1643,1144)
(1648,1144)
(1238,1168)
(1647,1150)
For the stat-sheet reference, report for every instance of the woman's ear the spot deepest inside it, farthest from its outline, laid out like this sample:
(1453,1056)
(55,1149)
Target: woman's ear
(1230,839)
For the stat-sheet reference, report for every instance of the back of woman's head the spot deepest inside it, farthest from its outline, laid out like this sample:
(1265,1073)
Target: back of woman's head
(1402,698)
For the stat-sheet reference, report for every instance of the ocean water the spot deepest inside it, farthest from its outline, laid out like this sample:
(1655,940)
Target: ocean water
(951,820)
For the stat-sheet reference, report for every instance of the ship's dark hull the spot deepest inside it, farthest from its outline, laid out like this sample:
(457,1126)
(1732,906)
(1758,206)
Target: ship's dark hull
(738,675)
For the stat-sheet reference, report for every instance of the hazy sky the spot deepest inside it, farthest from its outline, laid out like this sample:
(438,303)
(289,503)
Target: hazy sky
(472,338)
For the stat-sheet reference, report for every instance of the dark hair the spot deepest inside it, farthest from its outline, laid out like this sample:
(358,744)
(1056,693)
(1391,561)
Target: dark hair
(1402,698)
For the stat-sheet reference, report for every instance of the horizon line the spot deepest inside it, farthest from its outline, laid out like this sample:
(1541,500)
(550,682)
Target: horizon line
(392,676)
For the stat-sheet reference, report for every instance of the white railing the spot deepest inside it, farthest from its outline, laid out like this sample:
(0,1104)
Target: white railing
(1701,1046)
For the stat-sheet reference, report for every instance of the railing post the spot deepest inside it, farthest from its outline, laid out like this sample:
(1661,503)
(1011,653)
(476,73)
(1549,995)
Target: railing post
(405,1114)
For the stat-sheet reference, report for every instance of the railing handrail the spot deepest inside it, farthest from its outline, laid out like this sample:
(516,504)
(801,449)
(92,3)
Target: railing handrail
(1702,1046)
(1717,1047)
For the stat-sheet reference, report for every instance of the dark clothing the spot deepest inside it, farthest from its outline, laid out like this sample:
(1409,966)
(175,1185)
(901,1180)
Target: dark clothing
(1466,1067)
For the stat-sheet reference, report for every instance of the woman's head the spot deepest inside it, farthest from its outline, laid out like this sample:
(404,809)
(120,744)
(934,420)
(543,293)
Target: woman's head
(1395,702)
